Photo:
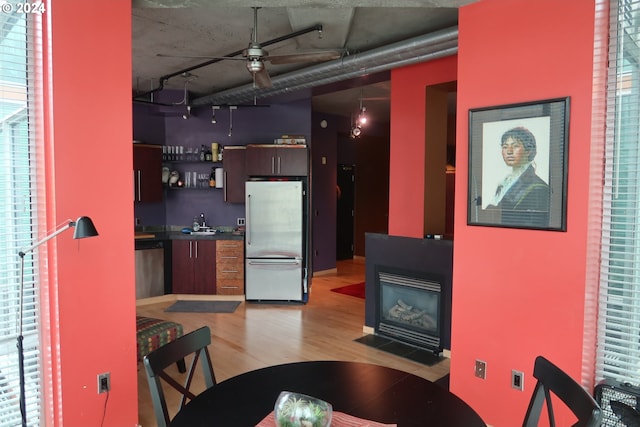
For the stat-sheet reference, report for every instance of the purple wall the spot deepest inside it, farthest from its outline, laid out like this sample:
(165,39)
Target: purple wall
(324,181)
(251,125)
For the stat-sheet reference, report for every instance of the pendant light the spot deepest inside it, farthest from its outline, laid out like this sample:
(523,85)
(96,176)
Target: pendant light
(361,119)
(231,108)
(213,113)
(362,116)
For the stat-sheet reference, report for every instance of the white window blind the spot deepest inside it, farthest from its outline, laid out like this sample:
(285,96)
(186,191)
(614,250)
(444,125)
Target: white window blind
(20,90)
(618,356)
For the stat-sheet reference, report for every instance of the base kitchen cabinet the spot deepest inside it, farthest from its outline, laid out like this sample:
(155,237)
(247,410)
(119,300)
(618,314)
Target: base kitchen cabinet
(230,267)
(194,266)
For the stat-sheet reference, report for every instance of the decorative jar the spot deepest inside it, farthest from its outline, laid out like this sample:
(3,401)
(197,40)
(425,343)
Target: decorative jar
(299,410)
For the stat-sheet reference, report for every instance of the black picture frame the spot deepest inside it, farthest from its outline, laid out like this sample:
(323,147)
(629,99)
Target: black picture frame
(518,165)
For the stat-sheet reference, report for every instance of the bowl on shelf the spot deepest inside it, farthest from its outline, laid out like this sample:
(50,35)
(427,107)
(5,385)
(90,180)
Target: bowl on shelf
(299,410)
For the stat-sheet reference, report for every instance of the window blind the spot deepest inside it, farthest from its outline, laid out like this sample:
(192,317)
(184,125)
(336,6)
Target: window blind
(618,355)
(20,47)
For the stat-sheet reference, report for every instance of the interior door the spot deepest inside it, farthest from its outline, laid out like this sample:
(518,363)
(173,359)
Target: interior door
(345,210)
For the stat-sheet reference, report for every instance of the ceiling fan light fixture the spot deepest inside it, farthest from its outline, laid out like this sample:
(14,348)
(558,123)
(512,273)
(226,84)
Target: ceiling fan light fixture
(255,66)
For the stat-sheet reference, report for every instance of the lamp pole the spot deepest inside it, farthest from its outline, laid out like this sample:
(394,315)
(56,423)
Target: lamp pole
(84,228)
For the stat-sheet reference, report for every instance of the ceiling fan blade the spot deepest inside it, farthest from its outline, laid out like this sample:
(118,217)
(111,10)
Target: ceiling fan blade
(236,58)
(262,79)
(311,56)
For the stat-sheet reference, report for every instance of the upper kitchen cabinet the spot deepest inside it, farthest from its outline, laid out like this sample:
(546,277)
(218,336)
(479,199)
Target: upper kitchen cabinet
(277,160)
(147,173)
(235,173)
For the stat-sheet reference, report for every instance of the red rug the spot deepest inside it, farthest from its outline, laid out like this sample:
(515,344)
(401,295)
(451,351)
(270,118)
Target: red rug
(355,290)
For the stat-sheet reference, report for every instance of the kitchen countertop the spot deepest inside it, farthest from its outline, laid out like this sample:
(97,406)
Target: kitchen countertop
(179,235)
(142,235)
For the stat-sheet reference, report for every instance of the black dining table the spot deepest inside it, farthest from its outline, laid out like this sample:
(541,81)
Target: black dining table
(362,390)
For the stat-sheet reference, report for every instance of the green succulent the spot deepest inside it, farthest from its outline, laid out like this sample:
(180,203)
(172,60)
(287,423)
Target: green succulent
(299,412)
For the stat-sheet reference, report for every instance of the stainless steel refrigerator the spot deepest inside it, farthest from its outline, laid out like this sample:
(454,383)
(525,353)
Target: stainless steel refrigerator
(275,264)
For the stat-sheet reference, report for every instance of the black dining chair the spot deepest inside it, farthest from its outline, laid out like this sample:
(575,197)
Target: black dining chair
(192,344)
(552,379)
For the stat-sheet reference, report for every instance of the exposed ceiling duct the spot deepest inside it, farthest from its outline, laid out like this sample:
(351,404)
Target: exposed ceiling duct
(411,51)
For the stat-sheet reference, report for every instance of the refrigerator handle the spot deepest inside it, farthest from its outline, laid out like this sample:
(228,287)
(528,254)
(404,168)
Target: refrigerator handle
(247,231)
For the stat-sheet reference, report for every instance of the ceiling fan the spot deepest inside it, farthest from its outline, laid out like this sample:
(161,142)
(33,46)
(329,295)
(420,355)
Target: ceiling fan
(255,56)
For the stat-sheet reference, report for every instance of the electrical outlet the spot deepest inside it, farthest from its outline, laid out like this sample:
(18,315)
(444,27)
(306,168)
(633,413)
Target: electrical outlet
(481,369)
(517,380)
(240,221)
(104,382)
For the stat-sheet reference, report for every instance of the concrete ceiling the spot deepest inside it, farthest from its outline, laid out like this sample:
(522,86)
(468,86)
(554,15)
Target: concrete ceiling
(201,28)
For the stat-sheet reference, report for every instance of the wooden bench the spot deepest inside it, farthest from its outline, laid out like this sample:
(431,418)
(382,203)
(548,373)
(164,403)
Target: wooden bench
(152,333)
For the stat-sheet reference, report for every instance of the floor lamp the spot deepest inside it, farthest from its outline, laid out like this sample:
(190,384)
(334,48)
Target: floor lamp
(83,228)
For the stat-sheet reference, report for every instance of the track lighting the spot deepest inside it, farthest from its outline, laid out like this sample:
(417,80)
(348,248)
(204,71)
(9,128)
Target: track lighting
(213,113)
(356,131)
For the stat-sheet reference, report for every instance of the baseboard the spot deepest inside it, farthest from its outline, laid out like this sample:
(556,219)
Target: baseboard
(329,272)
(155,300)
(187,297)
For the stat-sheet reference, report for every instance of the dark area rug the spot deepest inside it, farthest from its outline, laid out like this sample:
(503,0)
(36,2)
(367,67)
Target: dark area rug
(204,306)
(399,349)
(355,290)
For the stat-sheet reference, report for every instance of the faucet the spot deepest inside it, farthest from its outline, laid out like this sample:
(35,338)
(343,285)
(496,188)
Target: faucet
(202,220)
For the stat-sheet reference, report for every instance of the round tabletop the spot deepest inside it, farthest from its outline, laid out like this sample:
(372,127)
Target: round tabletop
(363,390)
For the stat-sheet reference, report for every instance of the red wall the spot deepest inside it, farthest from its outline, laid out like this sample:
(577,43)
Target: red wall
(516,293)
(521,293)
(406,161)
(89,166)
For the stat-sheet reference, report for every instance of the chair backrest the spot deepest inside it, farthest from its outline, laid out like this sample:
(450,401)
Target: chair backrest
(194,343)
(552,379)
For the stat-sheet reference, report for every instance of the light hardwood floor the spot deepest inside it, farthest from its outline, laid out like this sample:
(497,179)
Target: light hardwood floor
(259,335)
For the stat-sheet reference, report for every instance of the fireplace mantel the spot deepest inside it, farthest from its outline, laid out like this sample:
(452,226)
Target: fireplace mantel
(422,255)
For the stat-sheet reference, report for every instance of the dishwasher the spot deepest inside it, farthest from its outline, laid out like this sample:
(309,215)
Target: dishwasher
(149,261)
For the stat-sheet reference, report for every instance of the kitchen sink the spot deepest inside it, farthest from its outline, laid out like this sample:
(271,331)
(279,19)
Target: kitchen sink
(203,233)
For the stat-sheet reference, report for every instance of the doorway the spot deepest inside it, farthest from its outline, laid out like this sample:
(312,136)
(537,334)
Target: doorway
(345,210)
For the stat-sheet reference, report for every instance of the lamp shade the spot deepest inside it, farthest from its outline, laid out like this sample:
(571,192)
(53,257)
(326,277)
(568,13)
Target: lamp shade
(84,228)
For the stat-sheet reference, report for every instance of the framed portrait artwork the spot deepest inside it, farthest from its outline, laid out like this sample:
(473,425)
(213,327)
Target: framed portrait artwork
(518,165)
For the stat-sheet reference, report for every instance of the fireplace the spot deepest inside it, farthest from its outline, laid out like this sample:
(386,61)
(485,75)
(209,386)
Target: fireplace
(408,307)
(429,260)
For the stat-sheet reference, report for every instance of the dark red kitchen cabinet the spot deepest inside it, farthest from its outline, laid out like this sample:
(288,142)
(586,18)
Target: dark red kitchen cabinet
(235,173)
(194,266)
(277,160)
(147,173)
